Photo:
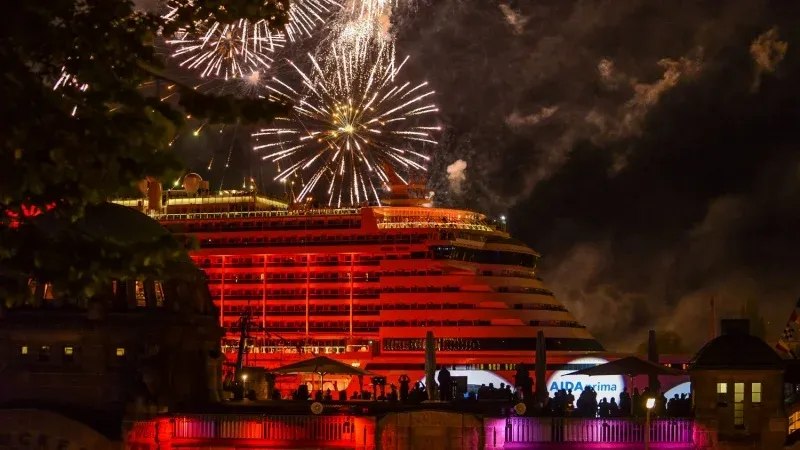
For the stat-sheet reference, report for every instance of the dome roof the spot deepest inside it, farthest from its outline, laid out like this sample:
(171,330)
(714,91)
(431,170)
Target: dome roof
(736,350)
(117,223)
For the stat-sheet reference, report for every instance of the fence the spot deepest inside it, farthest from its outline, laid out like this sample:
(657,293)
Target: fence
(277,428)
(534,430)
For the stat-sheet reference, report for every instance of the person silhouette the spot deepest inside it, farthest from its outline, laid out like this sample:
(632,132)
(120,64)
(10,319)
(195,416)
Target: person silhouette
(445,385)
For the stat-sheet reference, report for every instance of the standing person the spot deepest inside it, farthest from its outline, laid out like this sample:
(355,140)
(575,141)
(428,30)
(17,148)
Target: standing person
(404,383)
(445,385)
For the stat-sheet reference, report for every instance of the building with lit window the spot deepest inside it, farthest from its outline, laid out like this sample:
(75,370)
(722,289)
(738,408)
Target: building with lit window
(738,382)
(135,344)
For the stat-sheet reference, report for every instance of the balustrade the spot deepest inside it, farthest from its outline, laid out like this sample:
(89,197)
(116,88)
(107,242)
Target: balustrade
(274,428)
(535,430)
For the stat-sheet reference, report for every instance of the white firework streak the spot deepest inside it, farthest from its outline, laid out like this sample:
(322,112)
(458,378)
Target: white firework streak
(241,49)
(353,124)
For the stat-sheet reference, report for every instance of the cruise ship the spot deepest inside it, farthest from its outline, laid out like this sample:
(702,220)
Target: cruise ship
(365,284)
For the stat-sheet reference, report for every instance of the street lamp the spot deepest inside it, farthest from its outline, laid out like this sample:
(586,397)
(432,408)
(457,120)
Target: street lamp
(651,402)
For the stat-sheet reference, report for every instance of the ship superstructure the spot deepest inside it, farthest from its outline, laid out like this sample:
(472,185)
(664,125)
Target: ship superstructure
(365,284)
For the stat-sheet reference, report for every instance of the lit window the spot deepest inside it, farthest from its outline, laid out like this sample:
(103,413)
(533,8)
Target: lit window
(140,298)
(23,350)
(120,351)
(755,391)
(68,352)
(722,393)
(159,294)
(44,353)
(738,404)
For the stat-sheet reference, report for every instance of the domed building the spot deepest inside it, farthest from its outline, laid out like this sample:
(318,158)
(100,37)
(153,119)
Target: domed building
(737,380)
(137,346)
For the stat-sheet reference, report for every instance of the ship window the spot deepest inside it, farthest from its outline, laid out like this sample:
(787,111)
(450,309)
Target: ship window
(23,350)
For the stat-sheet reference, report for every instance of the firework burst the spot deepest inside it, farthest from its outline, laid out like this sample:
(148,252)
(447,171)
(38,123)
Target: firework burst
(243,48)
(353,127)
(227,51)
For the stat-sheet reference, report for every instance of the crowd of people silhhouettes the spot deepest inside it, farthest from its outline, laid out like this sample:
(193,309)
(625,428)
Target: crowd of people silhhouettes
(561,403)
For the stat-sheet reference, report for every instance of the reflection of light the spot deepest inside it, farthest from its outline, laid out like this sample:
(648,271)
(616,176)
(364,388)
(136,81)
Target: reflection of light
(356,364)
(650,403)
(608,386)
(475,377)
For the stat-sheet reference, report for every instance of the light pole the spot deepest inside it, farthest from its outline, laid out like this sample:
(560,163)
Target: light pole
(651,402)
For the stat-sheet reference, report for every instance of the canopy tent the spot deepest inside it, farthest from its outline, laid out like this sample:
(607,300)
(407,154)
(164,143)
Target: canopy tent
(631,366)
(322,365)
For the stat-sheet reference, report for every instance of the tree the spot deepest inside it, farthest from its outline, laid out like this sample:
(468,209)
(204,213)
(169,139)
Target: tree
(667,342)
(751,311)
(70,144)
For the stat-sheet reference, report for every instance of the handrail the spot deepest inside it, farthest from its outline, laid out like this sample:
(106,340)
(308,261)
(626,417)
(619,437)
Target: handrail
(255,214)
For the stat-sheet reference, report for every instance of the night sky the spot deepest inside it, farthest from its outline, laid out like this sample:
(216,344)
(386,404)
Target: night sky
(648,149)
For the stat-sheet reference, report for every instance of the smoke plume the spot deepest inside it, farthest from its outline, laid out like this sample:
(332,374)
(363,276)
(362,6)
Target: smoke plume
(456,175)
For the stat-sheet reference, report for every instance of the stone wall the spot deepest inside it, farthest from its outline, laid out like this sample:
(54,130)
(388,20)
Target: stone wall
(44,430)
(438,430)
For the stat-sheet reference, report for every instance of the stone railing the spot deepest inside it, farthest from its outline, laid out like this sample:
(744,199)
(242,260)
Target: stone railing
(283,428)
(285,431)
(530,430)
(413,429)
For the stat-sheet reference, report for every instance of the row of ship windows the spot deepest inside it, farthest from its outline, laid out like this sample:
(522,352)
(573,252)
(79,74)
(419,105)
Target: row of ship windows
(276,225)
(334,277)
(339,309)
(366,326)
(303,261)
(344,292)
(490,344)
(346,239)
(330,294)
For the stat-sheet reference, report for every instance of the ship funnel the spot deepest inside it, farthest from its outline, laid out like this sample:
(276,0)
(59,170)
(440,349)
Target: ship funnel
(154,192)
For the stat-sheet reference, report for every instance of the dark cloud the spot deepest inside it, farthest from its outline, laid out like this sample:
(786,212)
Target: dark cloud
(648,149)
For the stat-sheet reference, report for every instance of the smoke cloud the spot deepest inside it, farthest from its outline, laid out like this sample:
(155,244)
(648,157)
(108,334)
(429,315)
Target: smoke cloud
(626,143)
(767,51)
(456,175)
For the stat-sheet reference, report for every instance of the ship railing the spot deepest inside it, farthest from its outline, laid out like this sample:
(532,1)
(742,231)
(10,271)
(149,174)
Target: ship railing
(622,430)
(275,428)
(438,225)
(253,214)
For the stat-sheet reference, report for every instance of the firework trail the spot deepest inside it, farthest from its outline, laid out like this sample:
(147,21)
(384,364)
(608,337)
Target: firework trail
(351,123)
(243,49)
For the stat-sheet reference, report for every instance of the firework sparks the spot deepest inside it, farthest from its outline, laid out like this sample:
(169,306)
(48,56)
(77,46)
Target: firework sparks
(227,51)
(351,124)
(363,21)
(243,48)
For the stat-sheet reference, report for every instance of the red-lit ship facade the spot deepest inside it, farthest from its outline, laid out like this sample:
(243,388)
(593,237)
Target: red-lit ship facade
(365,284)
